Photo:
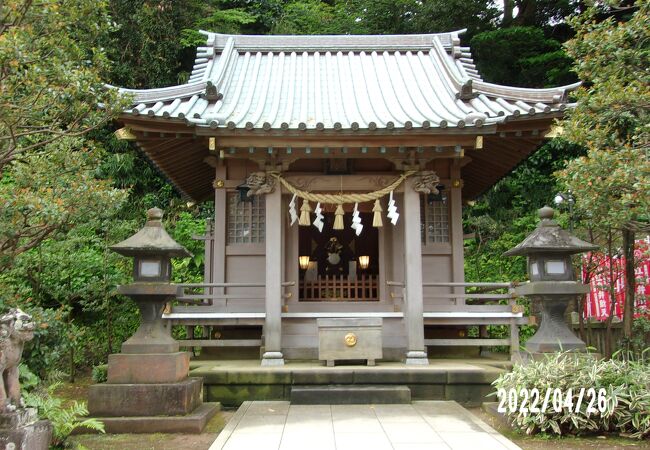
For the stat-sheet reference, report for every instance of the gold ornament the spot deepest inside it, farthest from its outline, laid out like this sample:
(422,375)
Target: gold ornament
(350,339)
(376,219)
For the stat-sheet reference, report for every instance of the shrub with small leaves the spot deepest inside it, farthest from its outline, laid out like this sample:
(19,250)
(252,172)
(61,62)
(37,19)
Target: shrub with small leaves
(626,405)
(100,373)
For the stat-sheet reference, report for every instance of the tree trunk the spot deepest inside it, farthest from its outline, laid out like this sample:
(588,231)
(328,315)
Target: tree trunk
(508,6)
(589,273)
(612,296)
(526,15)
(630,283)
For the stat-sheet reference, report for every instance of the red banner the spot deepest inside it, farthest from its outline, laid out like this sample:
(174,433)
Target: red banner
(600,272)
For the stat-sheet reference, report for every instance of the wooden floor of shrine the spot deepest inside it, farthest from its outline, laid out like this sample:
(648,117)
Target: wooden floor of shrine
(232,382)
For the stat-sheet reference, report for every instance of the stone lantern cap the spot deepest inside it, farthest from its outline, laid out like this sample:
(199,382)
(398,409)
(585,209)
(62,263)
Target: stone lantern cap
(151,239)
(549,237)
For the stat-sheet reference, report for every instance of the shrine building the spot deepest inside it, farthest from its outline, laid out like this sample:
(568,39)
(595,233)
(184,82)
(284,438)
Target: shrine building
(338,166)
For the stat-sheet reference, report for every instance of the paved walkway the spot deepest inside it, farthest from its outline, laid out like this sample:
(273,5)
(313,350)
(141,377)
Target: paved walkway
(420,425)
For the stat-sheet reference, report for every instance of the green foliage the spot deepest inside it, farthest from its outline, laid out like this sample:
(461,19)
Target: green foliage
(306,17)
(100,373)
(50,73)
(145,47)
(226,21)
(49,191)
(382,17)
(504,215)
(521,56)
(625,380)
(183,227)
(28,379)
(611,182)
(65,418)
(640,339)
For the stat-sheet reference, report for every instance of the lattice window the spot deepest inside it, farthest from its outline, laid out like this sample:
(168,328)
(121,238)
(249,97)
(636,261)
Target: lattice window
(246,220)
(434,220)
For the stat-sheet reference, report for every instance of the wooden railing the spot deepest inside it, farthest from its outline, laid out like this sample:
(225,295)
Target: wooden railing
(205,296)
(216,291)
(470,308)
(340,288)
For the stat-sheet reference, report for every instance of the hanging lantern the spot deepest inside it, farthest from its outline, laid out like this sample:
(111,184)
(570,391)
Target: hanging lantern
(303,261)
(376,218)
(305,209)
(364,262)
(243,189)
(338,217)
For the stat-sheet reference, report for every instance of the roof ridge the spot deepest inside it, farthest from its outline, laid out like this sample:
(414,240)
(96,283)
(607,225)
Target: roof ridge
(332,42)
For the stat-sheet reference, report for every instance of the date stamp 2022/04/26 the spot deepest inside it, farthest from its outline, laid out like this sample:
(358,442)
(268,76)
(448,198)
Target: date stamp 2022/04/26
(556,400)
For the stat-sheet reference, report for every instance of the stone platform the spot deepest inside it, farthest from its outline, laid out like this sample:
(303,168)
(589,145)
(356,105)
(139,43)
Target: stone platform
(233,382)
(421,425)
(194,422)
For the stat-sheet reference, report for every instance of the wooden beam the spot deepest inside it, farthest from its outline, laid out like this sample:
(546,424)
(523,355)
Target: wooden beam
(220,342)
(335,141)
(466,342)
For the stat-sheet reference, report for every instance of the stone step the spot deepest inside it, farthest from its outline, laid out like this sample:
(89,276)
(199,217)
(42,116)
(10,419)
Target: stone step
(192,423)
(350,394)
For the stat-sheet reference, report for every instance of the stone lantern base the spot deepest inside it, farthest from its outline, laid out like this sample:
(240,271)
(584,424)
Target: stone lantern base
(148,389)
(22,429)
(151,408)
(150,393)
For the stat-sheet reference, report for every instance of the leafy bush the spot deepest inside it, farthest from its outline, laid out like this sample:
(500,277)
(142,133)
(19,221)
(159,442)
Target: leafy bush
(625,381)
(65,418)
(100,373)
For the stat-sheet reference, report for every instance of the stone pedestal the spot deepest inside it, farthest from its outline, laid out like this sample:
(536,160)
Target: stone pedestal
(552,299)
(553,334)
(21,430)
(148,368)
(148,389)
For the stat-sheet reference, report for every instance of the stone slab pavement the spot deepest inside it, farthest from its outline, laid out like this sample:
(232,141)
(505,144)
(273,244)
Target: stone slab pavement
(422,425)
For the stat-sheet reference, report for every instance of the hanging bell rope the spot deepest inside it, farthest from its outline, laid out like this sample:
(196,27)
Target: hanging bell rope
(376,218)
(339,199)
(305,209)
(338,217)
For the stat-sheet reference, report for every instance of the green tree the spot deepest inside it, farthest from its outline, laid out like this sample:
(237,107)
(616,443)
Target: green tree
(521,56)
(50,95)
(611,182)
(50,73)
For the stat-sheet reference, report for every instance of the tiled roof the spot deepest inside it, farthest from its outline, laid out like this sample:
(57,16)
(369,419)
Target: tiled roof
(340,82)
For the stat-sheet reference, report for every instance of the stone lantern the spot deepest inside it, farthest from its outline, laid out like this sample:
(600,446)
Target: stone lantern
(552,282)
(148,384)
(152,249)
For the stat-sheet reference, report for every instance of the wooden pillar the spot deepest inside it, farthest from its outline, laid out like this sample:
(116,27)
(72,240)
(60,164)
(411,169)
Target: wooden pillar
(273,298)
(218,261)
(383,260)
(456,227)
(415,353)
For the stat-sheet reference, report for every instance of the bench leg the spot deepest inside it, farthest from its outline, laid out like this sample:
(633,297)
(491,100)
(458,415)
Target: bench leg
(330,363)
(371,362)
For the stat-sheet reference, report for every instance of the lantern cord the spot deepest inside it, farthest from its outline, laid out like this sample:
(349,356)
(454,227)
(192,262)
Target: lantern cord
(337,199)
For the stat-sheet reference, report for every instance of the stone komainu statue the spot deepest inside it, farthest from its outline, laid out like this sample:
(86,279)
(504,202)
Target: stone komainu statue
(16,328)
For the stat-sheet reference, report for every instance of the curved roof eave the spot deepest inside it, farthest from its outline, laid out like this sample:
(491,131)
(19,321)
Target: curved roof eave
(331,82)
